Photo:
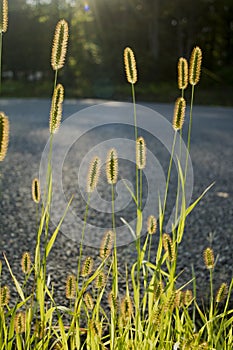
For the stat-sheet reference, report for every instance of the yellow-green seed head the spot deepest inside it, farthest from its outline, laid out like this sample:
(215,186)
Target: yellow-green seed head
(178,298)
(151,224)
(182,73)
(156,315)
(195,66)
(106,245)
(112,166)
(170,302)
(179,113)
(59,48)
(112,301)
(126,307)
(140,153)
(4,296)
(70,287)
(87,267)
(20,323)
(96,328)
(36,190)
(26,262)
(100,280)
(168,246)
(56,109)
(158,290)
(209,258)
(187,296)
(221,293)
(93,174)
(4,135)
(88,300)
(130,65)
(4,16)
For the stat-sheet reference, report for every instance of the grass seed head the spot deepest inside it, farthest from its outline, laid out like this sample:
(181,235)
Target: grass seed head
(195,66)
(187,297)
(4,16)
(87,267)
(140,153)
(126,308)
(4,135)
(112,166)
(130,65)
(182,73)
(56,109)
(170,302)
(179,113)
(156,315)
(20,323)
(88,300)
(96,328)
(36,190)
(26,262)
(168,246)
(221,293)
(106,245)
(93,174)
(4,295)
(151,224)
(100,280)
(70,287)
(112,301)
(158,290)
(209,258)
(60,42)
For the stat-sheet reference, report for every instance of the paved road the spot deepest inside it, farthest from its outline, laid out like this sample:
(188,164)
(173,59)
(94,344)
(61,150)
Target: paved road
(211,154)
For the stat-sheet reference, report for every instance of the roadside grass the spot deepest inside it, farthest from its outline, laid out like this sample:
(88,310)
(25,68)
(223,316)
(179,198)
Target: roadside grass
(153,313)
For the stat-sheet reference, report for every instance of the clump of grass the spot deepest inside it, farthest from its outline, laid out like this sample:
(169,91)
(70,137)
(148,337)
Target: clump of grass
(152,313)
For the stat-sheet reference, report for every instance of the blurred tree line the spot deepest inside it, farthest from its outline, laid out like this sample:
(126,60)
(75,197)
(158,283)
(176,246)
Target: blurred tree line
(159,31)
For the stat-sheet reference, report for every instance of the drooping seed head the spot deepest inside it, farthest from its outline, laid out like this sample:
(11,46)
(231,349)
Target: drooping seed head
(140,153)
(126,307)
(26,262)
(88,300)
(4,16)
(20,323)
(56,109)
(130,65)
(87,267)
(151,224)
(182,73)
(59,48)
(106,245)
(4,295)
(4,135)
(100,280)
(179,113)
(112,166)
(221,293)
(209,258)
(168,246)
(112,301)
(93,174)
(70,287)
(36,190)
(195,66)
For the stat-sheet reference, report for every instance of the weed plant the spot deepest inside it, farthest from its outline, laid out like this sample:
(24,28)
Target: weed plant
(153,313)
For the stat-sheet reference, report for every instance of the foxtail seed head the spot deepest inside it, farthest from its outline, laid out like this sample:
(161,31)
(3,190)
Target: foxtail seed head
(70,287)
(221,293)
(106,245)
(112,166)
(36,190)
(87,267)
(112,300)
(151,224)
(168,246)
(100,280)
(88,300)
(4,295)
(130,65)
(126,307)
(187,297)
(195,66)
(93,174)
(182,73)
(4,135)
(96,328)
(179,113)
(56,109)
(209,258)
(140,153)
(59,48)
(4,16)
(26,262)
(158,290)
(20,323)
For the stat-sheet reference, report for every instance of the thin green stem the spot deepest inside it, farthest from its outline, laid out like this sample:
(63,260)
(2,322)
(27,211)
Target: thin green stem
(189,132)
